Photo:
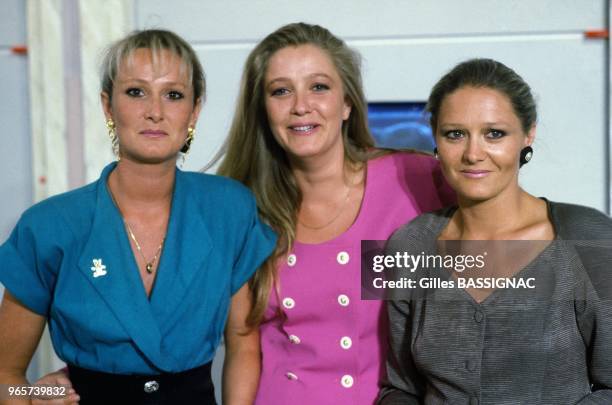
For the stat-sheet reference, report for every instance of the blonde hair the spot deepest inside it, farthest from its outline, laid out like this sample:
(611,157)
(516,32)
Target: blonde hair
(253,157)
(156,41)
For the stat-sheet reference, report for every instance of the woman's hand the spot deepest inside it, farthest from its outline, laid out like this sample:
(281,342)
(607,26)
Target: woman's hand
(57,378)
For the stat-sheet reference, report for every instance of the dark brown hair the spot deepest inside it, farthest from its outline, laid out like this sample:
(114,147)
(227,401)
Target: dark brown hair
(485,73)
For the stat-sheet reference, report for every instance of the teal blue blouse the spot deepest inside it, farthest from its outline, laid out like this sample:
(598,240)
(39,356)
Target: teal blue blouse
(69,259)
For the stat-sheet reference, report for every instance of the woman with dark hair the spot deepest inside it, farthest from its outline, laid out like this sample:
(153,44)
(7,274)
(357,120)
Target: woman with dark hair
(543,335)
(139,273)
(300,142)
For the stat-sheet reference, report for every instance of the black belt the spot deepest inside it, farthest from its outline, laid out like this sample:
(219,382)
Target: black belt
(193,387)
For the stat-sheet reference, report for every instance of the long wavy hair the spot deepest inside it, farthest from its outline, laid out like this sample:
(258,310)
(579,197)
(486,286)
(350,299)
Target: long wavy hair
(252,156)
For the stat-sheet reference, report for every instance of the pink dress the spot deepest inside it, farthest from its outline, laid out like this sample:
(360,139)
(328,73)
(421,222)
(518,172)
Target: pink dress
(330,346)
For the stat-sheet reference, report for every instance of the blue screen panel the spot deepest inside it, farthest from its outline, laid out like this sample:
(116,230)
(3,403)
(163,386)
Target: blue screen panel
(400,125)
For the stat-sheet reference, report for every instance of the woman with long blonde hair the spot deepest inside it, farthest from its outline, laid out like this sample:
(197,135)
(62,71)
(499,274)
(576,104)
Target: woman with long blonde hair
(300,141)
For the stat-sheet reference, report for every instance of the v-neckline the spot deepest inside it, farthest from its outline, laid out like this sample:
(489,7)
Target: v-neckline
(447,214)
(126,240)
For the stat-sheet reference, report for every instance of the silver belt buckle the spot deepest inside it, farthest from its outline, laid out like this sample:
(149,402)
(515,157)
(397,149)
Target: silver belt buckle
(151,386)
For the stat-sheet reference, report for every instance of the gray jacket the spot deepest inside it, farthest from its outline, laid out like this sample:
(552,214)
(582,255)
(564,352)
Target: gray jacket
(551,345)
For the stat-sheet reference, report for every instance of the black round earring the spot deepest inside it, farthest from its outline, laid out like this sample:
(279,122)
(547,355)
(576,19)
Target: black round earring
(526,155)
(435,152)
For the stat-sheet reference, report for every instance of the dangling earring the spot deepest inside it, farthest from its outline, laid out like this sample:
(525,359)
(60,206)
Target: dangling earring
(436,152)
(187,145)
(112,134)
(526,155)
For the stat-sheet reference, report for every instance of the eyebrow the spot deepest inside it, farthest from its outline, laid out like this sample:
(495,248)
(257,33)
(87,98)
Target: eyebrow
(488,124)
(169,83)
(311,76)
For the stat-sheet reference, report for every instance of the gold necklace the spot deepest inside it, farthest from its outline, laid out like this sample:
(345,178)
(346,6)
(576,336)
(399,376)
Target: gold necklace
(334,218)
(148,263)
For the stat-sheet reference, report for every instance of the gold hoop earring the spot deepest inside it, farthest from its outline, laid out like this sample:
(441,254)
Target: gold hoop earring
(112,134)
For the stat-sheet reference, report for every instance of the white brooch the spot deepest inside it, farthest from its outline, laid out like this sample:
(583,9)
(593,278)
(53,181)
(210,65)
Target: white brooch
(98,268)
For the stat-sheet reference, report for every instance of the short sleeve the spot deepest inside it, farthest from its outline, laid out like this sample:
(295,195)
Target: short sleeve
(28,264)
(257,244)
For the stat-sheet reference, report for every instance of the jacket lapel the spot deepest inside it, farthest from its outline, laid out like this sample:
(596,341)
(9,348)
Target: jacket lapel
(185,253)
(114,276)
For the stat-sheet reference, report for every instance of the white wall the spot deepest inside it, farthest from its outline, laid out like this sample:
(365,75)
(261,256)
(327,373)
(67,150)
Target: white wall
(15,153)
(15,160)
(608,107)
